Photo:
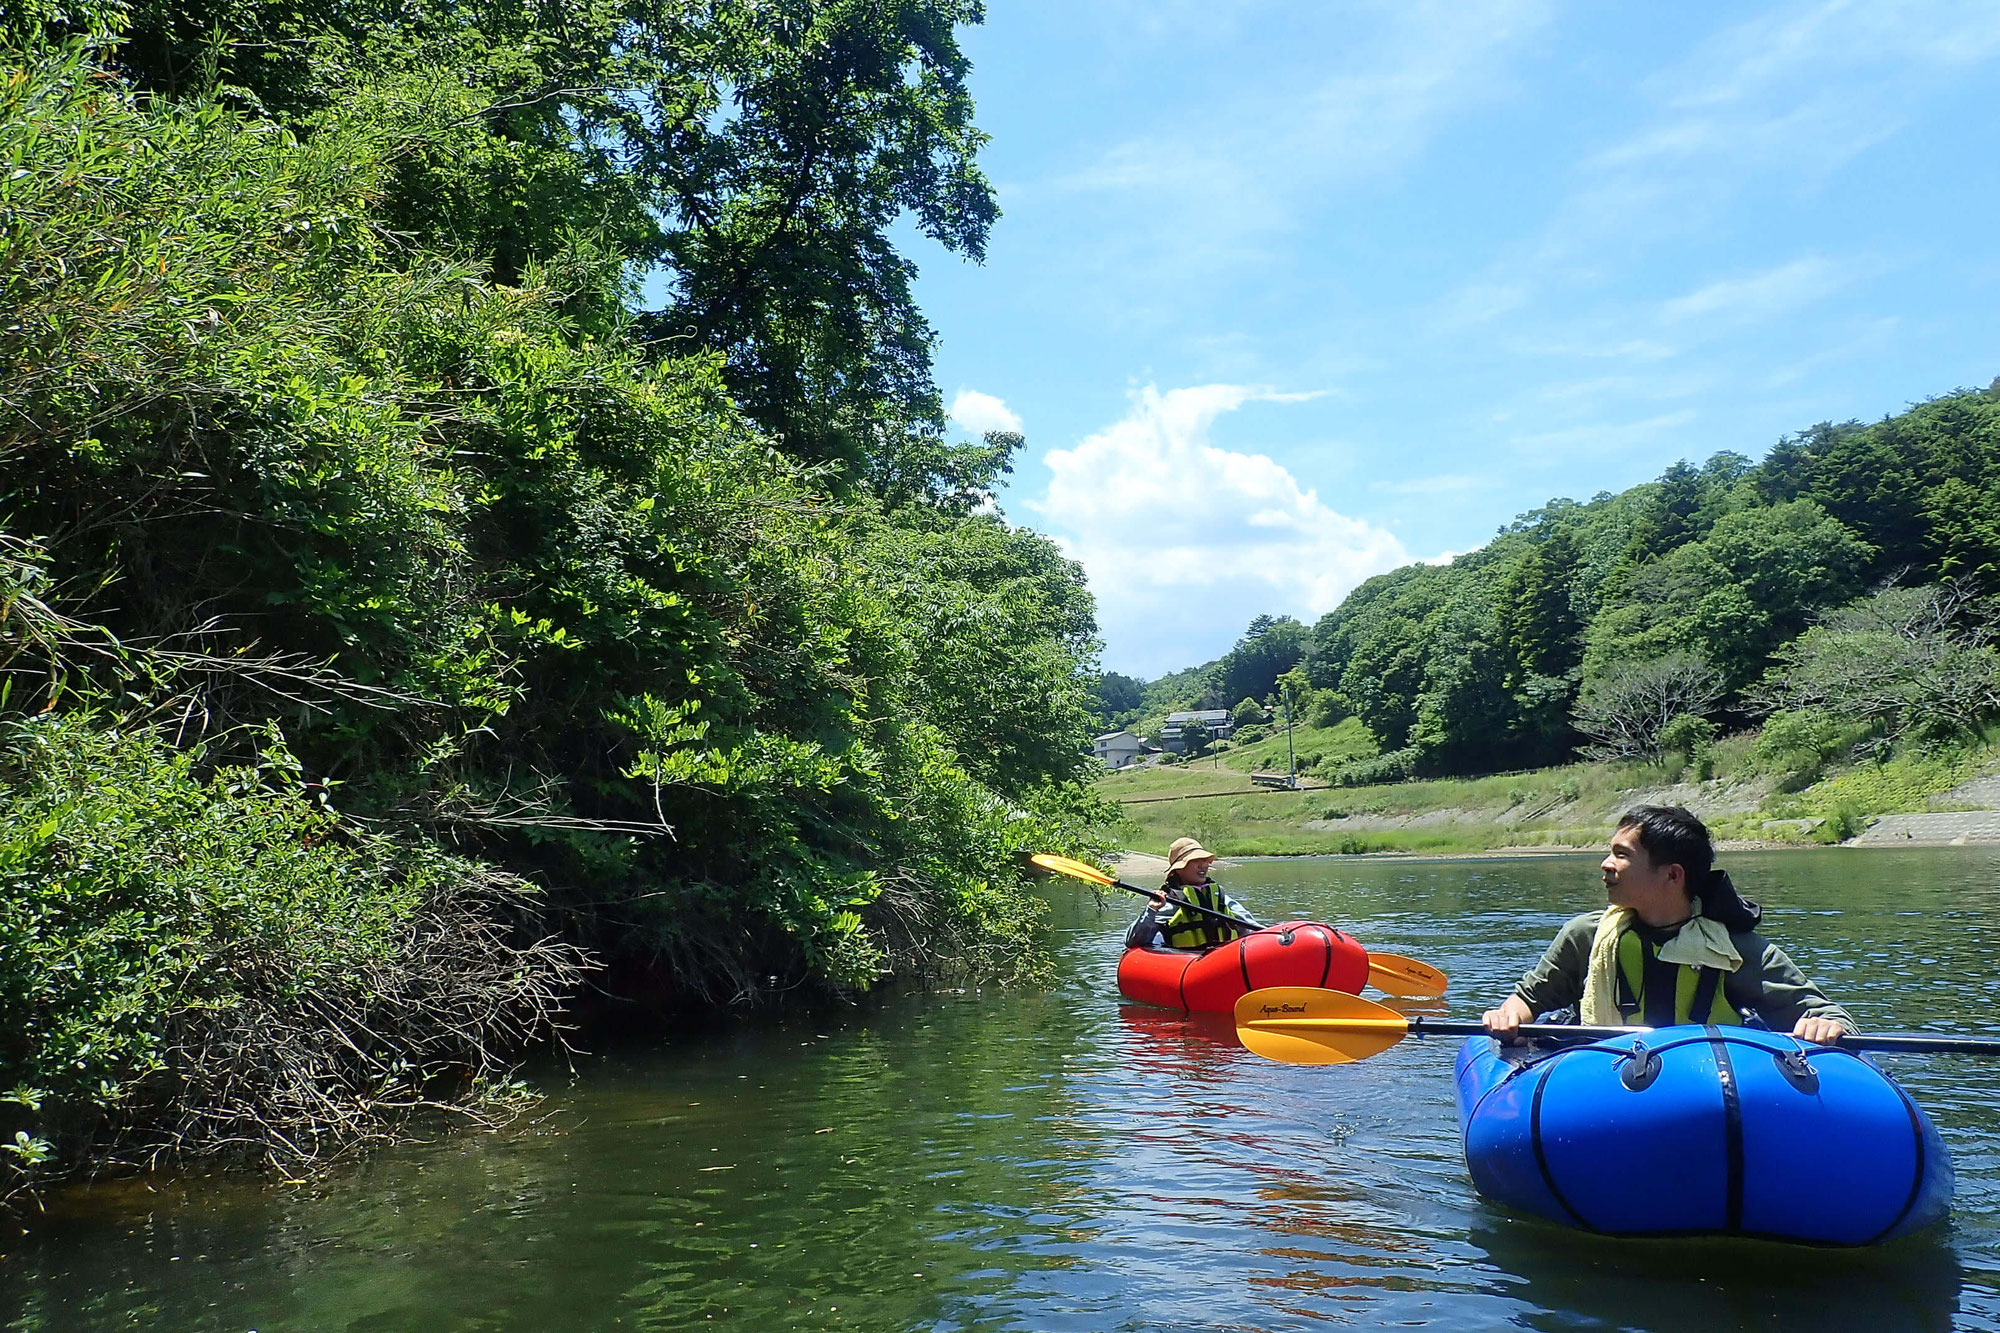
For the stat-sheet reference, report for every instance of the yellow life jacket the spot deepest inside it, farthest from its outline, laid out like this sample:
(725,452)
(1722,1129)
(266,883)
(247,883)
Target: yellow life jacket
(1661,994)
(1196,930)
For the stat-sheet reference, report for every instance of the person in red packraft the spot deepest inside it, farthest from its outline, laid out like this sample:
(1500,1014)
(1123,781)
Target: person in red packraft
(1168,925)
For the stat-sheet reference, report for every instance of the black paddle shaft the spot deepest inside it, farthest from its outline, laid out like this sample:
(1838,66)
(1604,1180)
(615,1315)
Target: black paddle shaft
(1192,907)
(1421,1025)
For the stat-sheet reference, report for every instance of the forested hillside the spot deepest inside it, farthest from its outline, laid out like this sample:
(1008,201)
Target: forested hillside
(475,514)
(1837,588)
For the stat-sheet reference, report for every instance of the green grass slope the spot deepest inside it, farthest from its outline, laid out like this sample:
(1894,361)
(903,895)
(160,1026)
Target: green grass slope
(1574,805)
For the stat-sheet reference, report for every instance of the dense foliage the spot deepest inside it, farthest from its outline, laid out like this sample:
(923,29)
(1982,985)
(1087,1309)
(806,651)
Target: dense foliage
(194,960)
(1606,620)
(337,422)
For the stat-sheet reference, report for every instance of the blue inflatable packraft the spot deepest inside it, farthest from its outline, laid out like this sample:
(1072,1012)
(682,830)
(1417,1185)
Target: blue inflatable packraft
(1702,1130)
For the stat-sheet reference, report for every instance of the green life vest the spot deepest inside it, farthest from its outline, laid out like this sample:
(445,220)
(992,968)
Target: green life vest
(1661,994)
(1196,930)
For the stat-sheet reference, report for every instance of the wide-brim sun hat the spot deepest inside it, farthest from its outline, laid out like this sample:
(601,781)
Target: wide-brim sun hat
(1185,852)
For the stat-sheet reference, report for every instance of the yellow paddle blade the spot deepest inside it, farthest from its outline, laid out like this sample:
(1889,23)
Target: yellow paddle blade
(1304,1025)
(1063,865)
(1398,975)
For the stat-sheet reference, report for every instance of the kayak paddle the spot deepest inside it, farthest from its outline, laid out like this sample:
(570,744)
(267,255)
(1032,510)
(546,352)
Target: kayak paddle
(1304,1025)
(1389,972)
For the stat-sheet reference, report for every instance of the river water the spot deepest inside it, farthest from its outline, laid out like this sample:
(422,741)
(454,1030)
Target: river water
(1059,1160)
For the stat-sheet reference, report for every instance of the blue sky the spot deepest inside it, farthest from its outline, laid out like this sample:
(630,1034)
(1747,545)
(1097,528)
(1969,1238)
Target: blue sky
(1287,295)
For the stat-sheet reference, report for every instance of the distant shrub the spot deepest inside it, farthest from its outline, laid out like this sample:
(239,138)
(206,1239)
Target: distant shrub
(1693,738)
(1327,708)
(1394,766)
(1795,745)
(1845,822)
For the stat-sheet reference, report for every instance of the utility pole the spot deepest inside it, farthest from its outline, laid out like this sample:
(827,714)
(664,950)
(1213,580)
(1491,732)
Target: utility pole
(1291,764)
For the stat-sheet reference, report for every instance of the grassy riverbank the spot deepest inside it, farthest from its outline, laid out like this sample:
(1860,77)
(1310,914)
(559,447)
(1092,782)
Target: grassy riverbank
(1744,801)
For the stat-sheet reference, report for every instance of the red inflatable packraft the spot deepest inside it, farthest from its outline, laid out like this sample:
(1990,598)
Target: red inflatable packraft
(1292,953)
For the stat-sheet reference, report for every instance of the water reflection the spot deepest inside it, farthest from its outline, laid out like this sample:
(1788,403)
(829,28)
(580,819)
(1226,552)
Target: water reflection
(1192,1038)
(1572,1280)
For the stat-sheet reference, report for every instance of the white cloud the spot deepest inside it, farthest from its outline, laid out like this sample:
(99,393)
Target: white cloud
(1602,439)
(1811,40)
(980,412)
(1447,483)
(1790,95)
(1757,296)
(1480,302)
(1244,172)
(1185,542)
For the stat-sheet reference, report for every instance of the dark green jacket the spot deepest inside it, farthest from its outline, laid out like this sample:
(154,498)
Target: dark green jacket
(1769,984)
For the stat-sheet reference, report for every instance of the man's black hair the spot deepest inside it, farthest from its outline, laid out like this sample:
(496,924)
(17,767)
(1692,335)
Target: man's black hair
(1672,835)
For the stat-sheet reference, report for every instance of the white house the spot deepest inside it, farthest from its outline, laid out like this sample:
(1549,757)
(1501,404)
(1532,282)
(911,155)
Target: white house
(1215,719)
(1117,748)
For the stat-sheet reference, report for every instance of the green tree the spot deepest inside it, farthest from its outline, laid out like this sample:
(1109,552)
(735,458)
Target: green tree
(754,159)
(1465,714)
(1270,647)
(1627,711)
(1539,628)
(1374,646)
(1915,663)
(1119,698)
(1540,637)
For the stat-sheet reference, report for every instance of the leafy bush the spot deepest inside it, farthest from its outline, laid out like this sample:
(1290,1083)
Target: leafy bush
(1327,708)
(1393,766)
(1796,745)
(1693,738)
(200,961)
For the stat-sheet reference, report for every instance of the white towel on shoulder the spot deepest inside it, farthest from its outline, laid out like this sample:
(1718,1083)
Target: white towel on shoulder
(1702,942)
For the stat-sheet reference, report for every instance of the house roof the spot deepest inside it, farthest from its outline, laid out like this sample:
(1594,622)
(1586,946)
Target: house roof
(1201,715)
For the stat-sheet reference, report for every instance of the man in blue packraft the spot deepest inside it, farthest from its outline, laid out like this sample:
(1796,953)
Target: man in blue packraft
(1677,944)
